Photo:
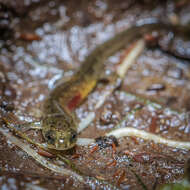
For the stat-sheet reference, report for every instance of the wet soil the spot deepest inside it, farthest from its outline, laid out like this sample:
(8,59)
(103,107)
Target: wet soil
(48,40)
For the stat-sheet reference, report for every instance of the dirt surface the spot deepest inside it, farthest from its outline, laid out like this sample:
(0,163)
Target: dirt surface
(48,43)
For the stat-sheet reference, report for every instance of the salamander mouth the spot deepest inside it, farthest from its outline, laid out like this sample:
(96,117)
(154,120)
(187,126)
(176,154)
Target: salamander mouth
(61,147)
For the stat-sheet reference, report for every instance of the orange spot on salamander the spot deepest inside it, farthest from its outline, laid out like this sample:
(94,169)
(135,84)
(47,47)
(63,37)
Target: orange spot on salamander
(74,102)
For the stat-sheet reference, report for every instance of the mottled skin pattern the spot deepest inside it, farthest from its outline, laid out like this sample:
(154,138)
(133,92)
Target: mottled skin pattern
(58,126)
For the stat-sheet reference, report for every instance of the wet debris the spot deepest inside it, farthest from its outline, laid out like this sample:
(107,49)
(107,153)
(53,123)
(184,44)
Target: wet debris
(171,100)
(7,92)
(45,153)
(108,116)
(175,73)
(175,45)
(6,16)
(153,124)
(29,37)
(6,106)
(156,87)
(141,157)
(104,142)
(20,7)
(171,43)
(121,177)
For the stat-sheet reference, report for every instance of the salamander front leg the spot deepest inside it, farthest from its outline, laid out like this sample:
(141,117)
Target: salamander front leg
(25,127)
(36,125)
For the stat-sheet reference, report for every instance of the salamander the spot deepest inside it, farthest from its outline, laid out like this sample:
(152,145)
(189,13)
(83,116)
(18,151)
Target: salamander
(59,127)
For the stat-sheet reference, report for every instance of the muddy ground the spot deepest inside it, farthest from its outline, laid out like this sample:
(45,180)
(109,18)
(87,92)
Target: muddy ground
(44,41)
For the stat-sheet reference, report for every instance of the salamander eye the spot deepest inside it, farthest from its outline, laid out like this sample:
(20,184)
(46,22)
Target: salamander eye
(49,136)
(73,136)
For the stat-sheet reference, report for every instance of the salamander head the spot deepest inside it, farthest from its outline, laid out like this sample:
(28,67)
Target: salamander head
(59,132)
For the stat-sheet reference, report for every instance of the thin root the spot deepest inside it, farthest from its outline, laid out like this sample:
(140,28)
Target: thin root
(130,131)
